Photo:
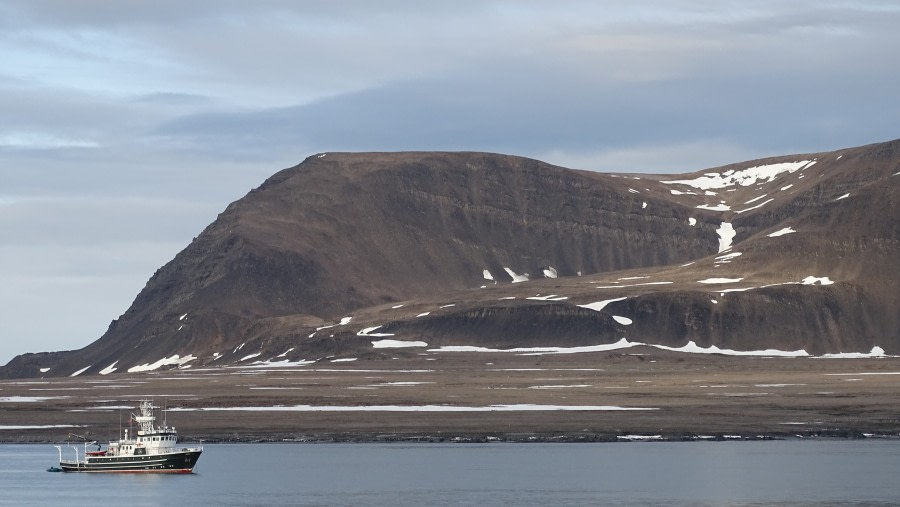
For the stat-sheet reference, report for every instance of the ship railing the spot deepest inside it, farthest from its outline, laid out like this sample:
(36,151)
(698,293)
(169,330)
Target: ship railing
(77,462)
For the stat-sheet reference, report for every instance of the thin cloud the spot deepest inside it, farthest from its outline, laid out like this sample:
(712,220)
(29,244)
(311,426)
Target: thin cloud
(116,112)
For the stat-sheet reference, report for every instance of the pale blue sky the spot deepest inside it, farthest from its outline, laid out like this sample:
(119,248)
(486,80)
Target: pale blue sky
(127,126)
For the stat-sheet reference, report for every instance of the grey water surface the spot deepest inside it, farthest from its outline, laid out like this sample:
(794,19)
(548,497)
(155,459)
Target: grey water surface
(765,473)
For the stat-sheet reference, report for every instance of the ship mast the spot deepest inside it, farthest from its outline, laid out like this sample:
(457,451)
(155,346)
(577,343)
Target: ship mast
(146,418)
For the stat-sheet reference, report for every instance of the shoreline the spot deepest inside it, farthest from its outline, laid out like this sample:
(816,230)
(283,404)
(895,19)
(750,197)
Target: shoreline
(837,435)
(591,397)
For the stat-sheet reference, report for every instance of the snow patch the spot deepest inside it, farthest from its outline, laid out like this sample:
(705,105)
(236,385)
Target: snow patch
(644,205)
(745,289)
(79,372)
(487,275)
(183,317)
(400,384)
(285,363)
(109,369)
(843,196)
(286,352)
(726,234)
(250,356)
(760,205)
(625,321)
(368,332)
(632,285)
(396,344)
(725,259)
(551,297)
(693,348)
(37,426)
(550,272)
(45,370)
(743,177)
(166,361)
(720,280)
(557,386)
(755,199)
(418,408)
(812,280)
(781,232)
(623,343)
(692,221)
(715,207)
(875,352)
(516,278)
(346,320)
(28,399)
(599,305)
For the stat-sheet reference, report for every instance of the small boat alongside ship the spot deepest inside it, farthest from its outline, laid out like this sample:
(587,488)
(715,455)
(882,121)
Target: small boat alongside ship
(154,449)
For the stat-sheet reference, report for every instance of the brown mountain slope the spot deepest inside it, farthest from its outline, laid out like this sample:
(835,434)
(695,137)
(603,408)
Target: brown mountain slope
(356,235)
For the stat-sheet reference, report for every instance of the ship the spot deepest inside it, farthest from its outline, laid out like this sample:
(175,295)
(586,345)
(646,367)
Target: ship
(153,449)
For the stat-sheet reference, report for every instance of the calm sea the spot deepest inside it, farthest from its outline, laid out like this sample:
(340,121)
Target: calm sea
(822,473)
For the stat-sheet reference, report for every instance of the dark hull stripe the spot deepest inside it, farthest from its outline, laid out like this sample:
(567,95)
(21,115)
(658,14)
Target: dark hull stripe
(151,471)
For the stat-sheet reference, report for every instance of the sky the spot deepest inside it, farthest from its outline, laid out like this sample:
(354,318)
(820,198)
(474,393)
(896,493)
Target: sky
(128,126)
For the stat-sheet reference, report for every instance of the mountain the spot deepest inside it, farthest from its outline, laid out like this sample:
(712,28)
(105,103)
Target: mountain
(371,255)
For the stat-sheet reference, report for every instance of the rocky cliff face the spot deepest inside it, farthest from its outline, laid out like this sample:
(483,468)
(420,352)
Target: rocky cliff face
(790,253)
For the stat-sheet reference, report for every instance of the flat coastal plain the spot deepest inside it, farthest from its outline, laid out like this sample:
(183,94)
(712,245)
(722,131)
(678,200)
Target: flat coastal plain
(470,396)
